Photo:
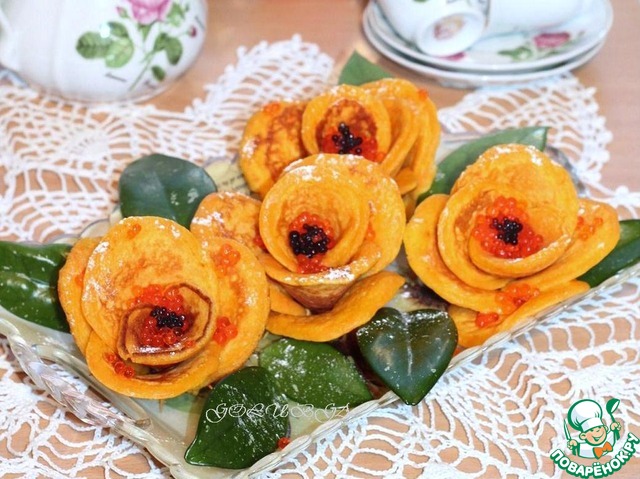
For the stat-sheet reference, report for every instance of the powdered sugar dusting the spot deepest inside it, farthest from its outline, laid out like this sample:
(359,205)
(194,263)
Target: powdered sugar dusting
(306,172)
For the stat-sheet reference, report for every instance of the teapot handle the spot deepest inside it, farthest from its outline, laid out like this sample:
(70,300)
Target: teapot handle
(8,56)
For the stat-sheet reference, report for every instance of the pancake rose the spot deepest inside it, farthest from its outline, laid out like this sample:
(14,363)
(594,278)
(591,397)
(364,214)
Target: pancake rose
(156,313)
(508,241)
(329,220)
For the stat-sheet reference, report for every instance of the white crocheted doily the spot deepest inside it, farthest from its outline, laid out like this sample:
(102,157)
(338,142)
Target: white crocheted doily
(500,415)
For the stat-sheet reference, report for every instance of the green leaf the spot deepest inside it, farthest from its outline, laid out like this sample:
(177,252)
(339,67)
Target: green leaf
(92,45)
(454,164)
(241,422)
(408,351)
(160,42)
(171,46)
(117,29)
(518,54)
(144,30)
(359,70)
(159,185)
(119,53)
(625,254)
(173,49)
(314,373)
(158,73)
(29,282)
(176,15)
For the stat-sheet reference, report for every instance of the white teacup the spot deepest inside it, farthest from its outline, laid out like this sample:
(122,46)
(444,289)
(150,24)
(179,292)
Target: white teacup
(505,16)
(447,27)
(101,50)
(437,27)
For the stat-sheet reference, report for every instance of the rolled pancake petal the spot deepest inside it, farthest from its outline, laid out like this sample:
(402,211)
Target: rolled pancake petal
(455,226)
(405,127)
(421,157)
(469,334)
(336,198)
(189,375)
(320,291)
(354,309)
(387,215)
(243,297)
(583,253)
(406,180)
(424,258)
(228,215)
(518,267)
(556,241)
(199,308)
(351,105)
(524,168)
(271,140)
(282,302)
(70,286)
(135,253)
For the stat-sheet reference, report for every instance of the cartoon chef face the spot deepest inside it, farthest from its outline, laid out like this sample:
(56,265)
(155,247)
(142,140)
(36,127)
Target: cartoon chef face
(586,416)
(595,436)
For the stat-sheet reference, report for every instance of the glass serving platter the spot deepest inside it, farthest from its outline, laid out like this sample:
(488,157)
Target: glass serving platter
(166,428)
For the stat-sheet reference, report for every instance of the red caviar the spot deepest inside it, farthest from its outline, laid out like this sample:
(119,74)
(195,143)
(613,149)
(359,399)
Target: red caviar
(168,321)
(158,295)
(343,140)
(310,237)
(585,230)
(225,330)
(283,442)
(119,366)
(515,295)
(504,232)
(226,257)
(484,320)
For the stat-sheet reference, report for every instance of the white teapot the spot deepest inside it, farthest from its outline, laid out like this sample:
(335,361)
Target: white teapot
(101,50)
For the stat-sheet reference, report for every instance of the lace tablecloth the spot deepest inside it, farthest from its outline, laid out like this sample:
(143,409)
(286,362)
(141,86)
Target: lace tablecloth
(499,416)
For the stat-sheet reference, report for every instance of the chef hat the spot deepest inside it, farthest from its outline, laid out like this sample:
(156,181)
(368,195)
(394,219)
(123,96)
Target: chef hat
(585,414)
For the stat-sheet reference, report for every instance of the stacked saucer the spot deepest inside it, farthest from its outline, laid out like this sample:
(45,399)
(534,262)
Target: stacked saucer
(499,59)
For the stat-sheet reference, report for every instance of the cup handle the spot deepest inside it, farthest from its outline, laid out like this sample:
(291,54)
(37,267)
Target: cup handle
(8,53)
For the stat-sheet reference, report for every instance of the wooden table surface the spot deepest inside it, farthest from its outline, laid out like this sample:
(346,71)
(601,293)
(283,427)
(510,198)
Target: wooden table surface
(335,26)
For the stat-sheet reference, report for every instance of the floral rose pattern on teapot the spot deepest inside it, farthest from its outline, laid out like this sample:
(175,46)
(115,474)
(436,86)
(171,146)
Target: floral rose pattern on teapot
(152,26)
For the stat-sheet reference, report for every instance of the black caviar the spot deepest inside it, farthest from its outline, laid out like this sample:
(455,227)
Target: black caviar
(508,230)
(346,142)
(310,243)
(166,318)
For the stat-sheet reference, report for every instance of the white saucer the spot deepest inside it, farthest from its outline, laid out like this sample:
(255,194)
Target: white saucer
(461,79)
(512,52)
